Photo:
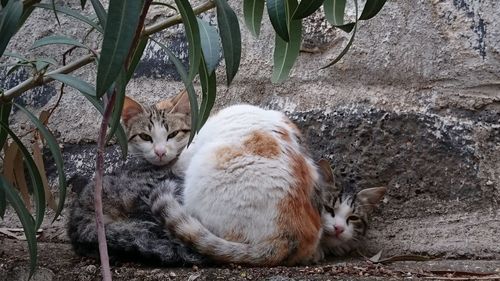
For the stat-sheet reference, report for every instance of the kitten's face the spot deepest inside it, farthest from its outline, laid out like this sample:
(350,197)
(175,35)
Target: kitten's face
(158,133)
(345,216)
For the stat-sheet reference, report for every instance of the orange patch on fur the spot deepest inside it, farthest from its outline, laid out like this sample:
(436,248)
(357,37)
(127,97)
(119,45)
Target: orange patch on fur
(262,144)
(293,127)
(284,134)
(234,236)
(225,154)
(300,219)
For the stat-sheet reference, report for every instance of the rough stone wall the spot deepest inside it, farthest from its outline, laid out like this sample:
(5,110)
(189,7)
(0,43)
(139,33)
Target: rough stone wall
(414,105)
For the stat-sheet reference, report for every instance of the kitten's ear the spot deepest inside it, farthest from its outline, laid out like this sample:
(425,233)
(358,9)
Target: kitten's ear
(130,109)
(371,196)
(181,103)
(326,171)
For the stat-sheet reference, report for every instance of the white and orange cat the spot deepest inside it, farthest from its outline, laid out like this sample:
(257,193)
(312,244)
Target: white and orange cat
(253,195)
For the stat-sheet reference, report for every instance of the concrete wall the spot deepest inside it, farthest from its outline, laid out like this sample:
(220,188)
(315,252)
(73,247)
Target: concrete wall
(415,106)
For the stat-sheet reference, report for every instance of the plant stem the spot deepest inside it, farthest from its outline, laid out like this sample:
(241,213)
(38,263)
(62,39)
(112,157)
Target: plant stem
(99,174)
(44,79)
(173,20)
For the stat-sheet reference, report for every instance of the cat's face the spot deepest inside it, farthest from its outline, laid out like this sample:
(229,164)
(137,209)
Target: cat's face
(157,133)
(345,216)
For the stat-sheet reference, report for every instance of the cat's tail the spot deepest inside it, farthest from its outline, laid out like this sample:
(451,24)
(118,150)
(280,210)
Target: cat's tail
(192,232)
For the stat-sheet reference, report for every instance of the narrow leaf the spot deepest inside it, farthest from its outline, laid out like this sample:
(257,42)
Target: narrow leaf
(192,34)
(164,4)
(306,8)
(10,17)
(348,46)
(252,12)
(210,45)
(36,180)
(74,82)
(20,180)
(15,55)
(83,3)
(229,28)
(285,53)
(4,3)
(56,154)
(100,12)
(38,158)
(371,9)
(114,122)
(136,57)
(277,14)
(334,11)
(25,218)
(57,39)
(71,13)
(187,83)
(53,3)
(4,118)
(208,83)
(122,21)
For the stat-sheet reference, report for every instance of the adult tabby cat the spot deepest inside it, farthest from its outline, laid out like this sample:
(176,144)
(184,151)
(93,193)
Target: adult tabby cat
(158,134)
(253,195)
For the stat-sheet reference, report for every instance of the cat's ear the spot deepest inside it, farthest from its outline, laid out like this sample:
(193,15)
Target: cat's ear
(181,103)
(371,196)
(130,109)
(326,171)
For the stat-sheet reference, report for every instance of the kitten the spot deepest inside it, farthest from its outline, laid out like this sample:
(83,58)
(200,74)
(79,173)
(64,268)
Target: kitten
(157,133)
(252,193)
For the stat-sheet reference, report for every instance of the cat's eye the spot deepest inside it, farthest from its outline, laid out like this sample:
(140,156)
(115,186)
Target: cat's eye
(330,210)
(172,135)
(353,218)
(146,137)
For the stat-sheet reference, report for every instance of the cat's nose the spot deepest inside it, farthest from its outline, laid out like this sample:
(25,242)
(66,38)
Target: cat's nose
(160,151)
(338,229)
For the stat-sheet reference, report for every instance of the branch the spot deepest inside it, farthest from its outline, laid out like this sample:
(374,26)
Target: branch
(43,79)
(173,20)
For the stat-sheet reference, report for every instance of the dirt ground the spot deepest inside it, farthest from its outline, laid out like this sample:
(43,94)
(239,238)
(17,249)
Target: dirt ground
(57,262)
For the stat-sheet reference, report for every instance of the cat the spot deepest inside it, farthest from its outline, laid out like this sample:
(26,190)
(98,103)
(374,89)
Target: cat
(157,133)
(254,196)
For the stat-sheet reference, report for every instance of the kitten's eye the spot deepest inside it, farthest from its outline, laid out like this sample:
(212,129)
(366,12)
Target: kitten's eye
(353,218)
(172,135)
(330,210)
(146,137)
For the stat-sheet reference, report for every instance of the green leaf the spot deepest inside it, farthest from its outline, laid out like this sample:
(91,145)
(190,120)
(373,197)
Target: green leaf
(100,12)
(208,83)
(53,4)
(252,12)
(187,83)
(136,57)
(277,14)
(10,17)
(5,109)
(57,39)
(25,218)
(192,34)
(348,46)
(372,7)
(74,82)
(306,8)
(36,180)
(210,44)
(15,55)
(229,28)
(41,65)
(4,2)
(47,60)
(56,154)
(334,11)
(120,86)
(164,4)
(123,18)
(83,3)
(285,53)
(71,13)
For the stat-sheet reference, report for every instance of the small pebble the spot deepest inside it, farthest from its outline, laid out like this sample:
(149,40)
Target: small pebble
(172,274)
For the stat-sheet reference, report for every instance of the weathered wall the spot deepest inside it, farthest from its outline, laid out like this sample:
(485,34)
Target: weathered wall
(415,106)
